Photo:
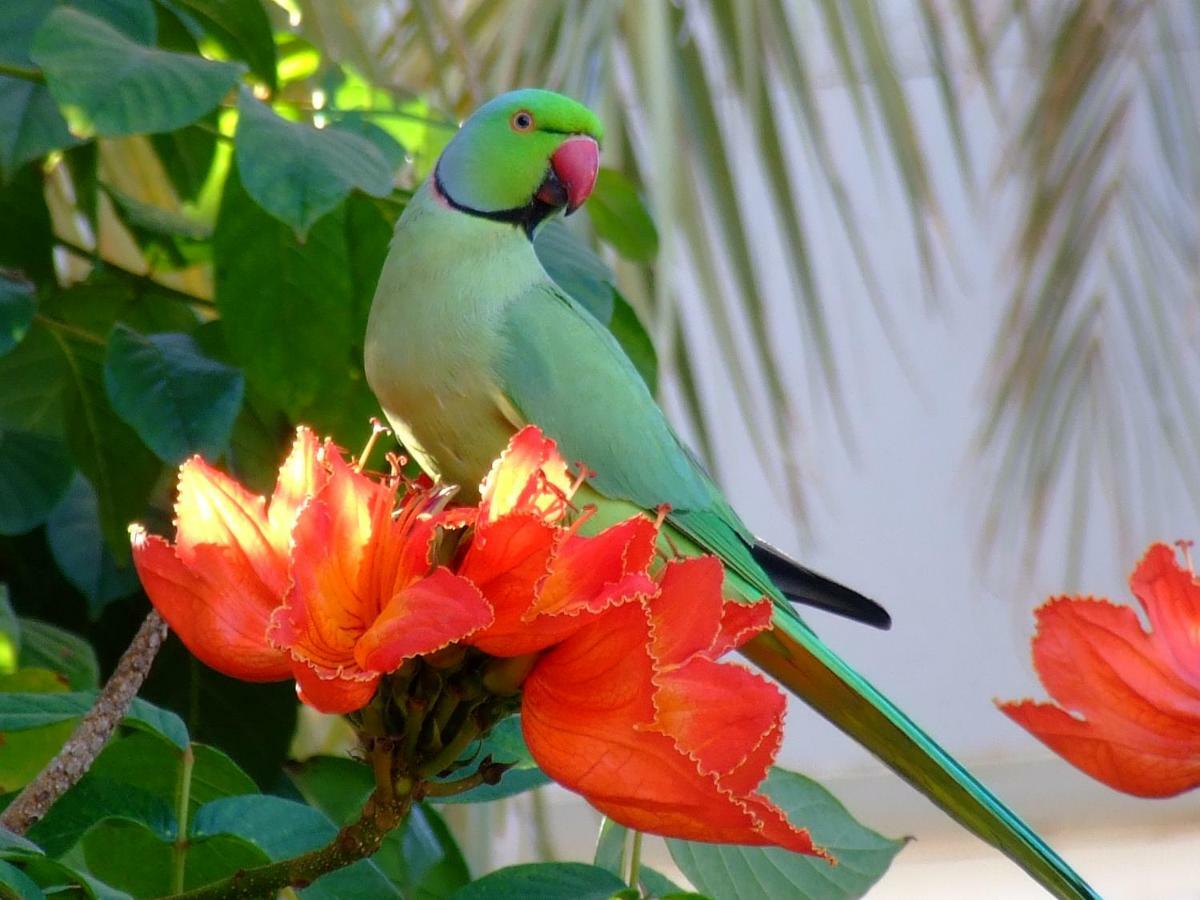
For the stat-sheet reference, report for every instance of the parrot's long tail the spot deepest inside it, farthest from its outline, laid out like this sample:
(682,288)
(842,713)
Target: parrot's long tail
(796,657)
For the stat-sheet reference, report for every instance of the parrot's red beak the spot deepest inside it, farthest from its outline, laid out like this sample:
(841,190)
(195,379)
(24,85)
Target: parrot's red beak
(573,168)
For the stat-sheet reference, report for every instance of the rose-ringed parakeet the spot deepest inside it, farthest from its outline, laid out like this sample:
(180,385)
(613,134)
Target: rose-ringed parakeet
(469,340)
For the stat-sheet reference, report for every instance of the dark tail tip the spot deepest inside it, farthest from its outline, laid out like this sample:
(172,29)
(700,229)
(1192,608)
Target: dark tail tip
(803,585)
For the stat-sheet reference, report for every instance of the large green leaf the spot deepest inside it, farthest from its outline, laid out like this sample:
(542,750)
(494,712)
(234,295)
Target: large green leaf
(94,798)
(299,173)
(118,465)
(20,710)
(421,857)
(153,764)
(620,217)
(242,29)
(47,646)
(33,124)
(214,707)
(727,872)
(546,881)
(116,86)
(287,308)
(77,544)
(17,306)
(34,377)
(178,400)
(34,473)
(282,829)
(17,884)
(110,846)
(27,750)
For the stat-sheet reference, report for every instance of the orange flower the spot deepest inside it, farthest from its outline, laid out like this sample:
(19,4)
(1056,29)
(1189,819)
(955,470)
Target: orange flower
(336,583)
(228,569)
(323,584)
(1135,693)
(634,712)
(543,580)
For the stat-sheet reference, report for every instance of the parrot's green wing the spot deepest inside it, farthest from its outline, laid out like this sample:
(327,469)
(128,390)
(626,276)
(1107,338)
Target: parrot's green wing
(563,371)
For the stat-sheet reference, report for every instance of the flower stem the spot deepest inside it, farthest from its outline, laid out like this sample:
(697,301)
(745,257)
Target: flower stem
(183,792)
(23,72)
(454,748)
(635,860)
(356,841)
(92,732)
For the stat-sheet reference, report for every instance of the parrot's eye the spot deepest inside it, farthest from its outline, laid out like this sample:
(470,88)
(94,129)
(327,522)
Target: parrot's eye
(522,120)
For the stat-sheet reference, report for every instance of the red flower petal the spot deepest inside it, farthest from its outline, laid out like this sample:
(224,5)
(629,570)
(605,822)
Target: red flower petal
(1171,598)
(587,710)
(426,616)
(528,477)
(687,613)
(218,607)
(589,574)
(1094,657)
(300,477)
(1132,768)
(341,694)
(717,713)
(551,587)
(1136,693)
(212,508)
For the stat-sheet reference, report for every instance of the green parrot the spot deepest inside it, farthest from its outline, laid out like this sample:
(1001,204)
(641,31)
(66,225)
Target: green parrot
(469,340)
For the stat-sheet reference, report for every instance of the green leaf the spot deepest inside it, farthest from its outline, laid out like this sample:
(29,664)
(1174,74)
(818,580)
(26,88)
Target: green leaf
(287,309)
(420,857)
(17,306)
(505,744)
(17,884)
(282,829)
(33,124)
(10,634)
(178,401)
(546,881)
(34,376)
(620,217)
(77,544)
(748,873)
(627,328)
(214,707)
(21,710)
(299,173)
(34,473)
(111,844)
(118,87)
(116,462)
(150,763)
(242,29)
(26,751)
(47,646)
(95,798)
(188,154)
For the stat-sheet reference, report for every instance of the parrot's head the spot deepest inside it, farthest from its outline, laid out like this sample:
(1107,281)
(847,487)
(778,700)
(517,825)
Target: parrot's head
(522,157)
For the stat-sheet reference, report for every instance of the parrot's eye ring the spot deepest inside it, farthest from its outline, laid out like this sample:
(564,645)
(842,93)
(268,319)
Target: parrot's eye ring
(522,120)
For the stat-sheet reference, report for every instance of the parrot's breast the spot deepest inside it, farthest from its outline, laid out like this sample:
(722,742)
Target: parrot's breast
(433,337)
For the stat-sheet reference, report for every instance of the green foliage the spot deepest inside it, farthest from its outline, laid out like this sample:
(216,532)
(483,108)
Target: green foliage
(178,401)
(550,881)
(17,307)
(115,86)
(299,173)
(34,473)
(620,217)
(757,873)
(78,547)
(421,857)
